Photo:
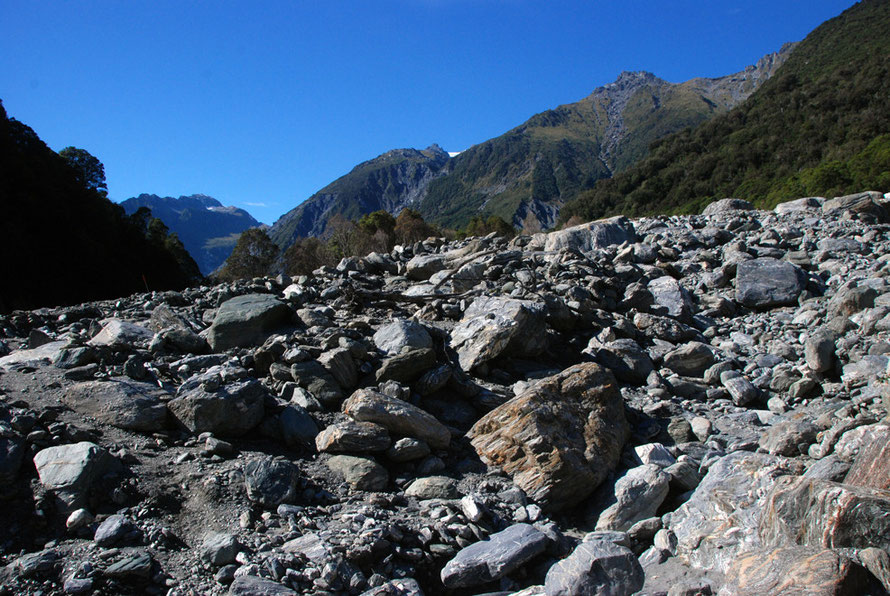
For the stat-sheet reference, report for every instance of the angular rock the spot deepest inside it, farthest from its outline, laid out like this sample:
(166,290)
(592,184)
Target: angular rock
(251,585)
(422,267)
(638,495)
(214,402)
(860,203)
(789,437)
(70,470)
(12,452)
(592,236)
(690,360)
(727,205)
(596,567)
(350,436)
(246,320)
(269,481)
(219,548)
(767,282)
(495,326)
(819,351)
(560,438)
(740,389)
(433,487)
(393,337)
(497,557)
(316,379)
(137,564)
(360,473)
(115,530)
(871,468)
(122,334)
(297,426)
(720,519)
(120,402)
(797,570)
(340,364)
(407,366)
(397,416)
(626,359)
(671,296)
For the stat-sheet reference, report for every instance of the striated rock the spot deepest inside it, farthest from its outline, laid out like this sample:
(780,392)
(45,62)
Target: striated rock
(812,512)
(871,468)
(120,402)
(720,519)
(342,367)
(407,366)
(251,585)
(690,360)
(495,326)
(246,320)
(497,557)
(671,297)
(397,416)
(269,481)
(789,437)
(863,204)
(316,379)
(767,282)
(351,436)
(560,438)
(596,567)
(797,570)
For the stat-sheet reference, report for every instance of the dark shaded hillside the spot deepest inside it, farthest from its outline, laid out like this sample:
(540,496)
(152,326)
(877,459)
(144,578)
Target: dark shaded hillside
(819,126)
(207,228)
(64,243)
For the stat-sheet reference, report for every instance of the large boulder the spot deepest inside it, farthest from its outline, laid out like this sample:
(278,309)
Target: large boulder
(861,204)
(492,559)
(871,468)
(393,337)
(222,400)
(493,326)
(593,235)
(670,296)
(560,438)
(720,519)
(361,473)
(726,206)
(767,282)
(246,320)
(596,567)
(351,436)
(397,416)
(638,495)
(71,470)
(120,402)
(122,334)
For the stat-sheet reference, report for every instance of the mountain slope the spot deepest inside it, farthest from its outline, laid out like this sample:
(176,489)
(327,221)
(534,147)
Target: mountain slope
(207,228)
(391,182)
(555,155)
(64,243)
(820,126)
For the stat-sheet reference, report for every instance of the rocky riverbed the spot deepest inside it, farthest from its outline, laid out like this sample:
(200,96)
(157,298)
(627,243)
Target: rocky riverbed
(670,405)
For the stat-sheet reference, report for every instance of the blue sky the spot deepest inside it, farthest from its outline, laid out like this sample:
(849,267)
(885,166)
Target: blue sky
(262,103)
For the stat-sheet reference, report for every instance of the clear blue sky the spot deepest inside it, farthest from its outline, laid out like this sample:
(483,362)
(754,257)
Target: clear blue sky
(262,103)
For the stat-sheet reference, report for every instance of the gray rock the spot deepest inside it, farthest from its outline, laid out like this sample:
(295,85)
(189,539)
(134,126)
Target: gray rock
(860,204)
(12,452)
(70,470)
(819,351)
(120,402)
(740,389)
(865,370)
(350,436)
(297,426)
(690,360)
(433,487)
(136,564)
(407,449)
(407,366)
(671,296)
(396,587)
(422,267)
(596,567)
(342,367)
(393,337)
(789,437)
(122,334)
(798,205)
(497,557)
(767,282)
(360,473)
(638,495)
(219,549)
(726,206)
(223,401)
(38,563)
(251,585)
(433,380)
(626,359)
(246,320)
(115,530)
(397,416)
(592,236)
(315,378)
(495,326)
(269,481)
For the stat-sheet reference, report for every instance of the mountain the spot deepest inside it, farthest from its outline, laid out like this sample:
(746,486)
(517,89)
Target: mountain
(208,230)
(66,243)
(391,182)
(536,167)
(819,126)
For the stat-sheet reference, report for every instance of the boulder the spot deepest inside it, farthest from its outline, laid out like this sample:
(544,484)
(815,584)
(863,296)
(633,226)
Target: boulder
(361,473)
(789,437)
(592,236)
(339,363)
(797,570)
(353,437)
(120,402)
(673,298)
(727,205)
(122,334)
(71,470)
(297,426)
(871,468)
(560,438)
(251,585)
(497,557)
(246,320)
(211,402)
(422,267)
(270,481)
(862,204)
(625,358)
(690,360)
(596,567)
(397,416)
(720,519)
(393,337)
(407,366)
(315,378)
(638,495)
(433,487)
(767,282)
(494,326)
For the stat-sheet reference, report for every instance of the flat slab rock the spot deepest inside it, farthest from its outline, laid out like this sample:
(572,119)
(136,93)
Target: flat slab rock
(767,282)
(492,559)
(120,402)
(560,438)
(397,416)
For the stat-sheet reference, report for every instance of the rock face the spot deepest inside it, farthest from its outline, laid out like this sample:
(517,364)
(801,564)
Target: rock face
(246,320)
(560,438)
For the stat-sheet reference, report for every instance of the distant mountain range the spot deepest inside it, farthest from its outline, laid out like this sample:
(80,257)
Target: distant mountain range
(208,230)
(529,172)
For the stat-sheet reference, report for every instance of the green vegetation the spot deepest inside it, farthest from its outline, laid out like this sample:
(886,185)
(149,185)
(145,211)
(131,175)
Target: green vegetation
(819,126)
(64,241)
(253,256)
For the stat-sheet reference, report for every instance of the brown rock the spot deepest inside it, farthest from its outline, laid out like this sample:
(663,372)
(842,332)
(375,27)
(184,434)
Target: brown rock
(871,467)
(397,416)
(559,439)
(797,570)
